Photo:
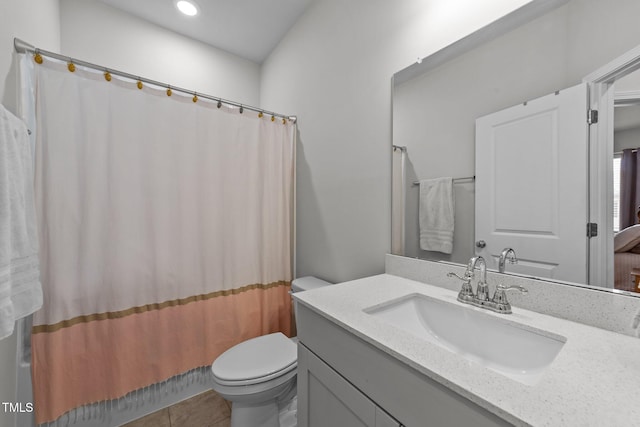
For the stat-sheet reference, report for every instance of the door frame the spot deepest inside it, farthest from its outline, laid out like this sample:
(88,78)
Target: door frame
(600,180)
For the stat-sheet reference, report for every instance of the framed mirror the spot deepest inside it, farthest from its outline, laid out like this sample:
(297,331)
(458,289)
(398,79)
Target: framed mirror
(541,50)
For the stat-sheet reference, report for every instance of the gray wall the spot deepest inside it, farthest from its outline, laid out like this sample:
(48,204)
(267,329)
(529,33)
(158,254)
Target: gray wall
(88,32)
(628,138)
(34,21)
(434,113)
(627,118)
(333,70)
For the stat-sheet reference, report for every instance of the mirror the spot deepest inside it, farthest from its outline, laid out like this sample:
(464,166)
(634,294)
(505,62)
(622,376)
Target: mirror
(541,48)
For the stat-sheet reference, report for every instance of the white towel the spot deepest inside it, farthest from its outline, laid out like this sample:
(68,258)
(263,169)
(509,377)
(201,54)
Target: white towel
(20,290)
(436,215)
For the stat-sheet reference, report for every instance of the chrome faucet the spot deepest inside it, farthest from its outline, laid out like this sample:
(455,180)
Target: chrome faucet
(498,303)
(503,257)
(466,294)
(482,290)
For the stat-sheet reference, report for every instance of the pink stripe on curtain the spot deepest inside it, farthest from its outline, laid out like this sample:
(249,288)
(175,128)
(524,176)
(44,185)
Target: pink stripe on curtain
(77,365)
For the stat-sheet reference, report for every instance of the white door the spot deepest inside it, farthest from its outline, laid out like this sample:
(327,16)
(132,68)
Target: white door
(531,185)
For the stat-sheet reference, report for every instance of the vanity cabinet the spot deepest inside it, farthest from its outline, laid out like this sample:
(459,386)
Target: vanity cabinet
(344,380)
(329,400)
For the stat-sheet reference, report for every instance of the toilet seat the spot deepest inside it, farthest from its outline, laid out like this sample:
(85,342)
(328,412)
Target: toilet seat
(255,361)
(259,375)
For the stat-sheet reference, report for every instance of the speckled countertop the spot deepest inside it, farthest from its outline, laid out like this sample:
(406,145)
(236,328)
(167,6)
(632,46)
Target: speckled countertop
(594,380)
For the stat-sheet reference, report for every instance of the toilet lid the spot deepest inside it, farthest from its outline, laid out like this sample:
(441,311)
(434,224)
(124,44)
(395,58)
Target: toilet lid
(256,358)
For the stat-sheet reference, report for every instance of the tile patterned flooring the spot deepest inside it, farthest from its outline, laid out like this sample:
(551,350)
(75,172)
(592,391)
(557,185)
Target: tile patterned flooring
(204,410)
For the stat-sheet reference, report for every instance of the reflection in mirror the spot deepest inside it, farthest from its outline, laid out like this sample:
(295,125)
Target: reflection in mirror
(436,104)
(626,199)
(531,191)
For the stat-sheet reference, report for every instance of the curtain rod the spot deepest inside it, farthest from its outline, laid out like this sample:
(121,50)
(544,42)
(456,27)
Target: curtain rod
(24,47)
(466,178)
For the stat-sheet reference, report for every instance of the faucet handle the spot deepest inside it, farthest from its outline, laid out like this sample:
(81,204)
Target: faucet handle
(512,288)
(501,304)
(466,293)
(466,278)
(500,295)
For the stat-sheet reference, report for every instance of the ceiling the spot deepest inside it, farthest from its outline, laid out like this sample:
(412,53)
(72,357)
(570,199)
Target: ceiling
(250,29)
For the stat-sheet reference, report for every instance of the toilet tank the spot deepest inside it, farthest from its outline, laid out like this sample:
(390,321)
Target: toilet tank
(306,283)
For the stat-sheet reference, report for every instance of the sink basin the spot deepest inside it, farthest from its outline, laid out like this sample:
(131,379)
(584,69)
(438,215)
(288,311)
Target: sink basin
(517,351)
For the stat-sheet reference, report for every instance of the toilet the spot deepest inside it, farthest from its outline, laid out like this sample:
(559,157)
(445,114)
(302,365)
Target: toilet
(258,376)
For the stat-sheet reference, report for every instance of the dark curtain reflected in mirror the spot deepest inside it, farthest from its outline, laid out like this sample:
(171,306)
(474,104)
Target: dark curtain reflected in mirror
(629,188)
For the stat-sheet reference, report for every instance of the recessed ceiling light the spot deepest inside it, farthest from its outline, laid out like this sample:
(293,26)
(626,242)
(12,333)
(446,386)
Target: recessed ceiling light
(187,7)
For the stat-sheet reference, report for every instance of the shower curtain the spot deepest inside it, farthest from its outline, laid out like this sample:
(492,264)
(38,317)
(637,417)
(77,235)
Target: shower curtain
(165,227)
(398,199)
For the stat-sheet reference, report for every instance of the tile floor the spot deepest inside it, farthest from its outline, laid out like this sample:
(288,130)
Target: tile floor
(204,410)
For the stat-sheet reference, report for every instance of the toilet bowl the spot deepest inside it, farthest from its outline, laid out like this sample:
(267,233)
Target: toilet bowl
(258,376)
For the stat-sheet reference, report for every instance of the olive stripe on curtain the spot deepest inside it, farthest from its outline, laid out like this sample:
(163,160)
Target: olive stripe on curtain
(165,231)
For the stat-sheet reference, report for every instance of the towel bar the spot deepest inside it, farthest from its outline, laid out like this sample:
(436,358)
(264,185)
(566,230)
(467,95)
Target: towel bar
(455,180)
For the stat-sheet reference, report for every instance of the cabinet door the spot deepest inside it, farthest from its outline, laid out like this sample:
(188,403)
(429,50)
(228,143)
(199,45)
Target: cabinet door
(325,399)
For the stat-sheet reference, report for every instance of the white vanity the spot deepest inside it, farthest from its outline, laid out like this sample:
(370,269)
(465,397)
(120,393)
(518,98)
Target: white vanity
(568,355)
(363,361)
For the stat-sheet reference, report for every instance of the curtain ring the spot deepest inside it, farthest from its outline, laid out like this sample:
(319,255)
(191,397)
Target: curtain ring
(241,109)
(107,76)
(195,97)
(37,57)
(169,91)
(219,103)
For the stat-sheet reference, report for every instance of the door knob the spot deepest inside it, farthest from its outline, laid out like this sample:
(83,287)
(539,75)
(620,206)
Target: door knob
(481,244)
